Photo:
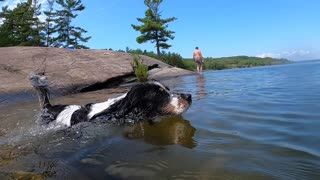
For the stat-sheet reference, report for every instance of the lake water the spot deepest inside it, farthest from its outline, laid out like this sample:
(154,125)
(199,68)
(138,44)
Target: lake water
(254,123)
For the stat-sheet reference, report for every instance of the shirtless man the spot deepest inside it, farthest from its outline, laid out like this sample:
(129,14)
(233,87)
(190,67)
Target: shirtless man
(198,59)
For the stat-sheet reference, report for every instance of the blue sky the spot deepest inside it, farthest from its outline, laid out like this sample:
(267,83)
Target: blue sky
(277,28)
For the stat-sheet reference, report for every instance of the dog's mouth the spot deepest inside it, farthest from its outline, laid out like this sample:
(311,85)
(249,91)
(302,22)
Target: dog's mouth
(178,104)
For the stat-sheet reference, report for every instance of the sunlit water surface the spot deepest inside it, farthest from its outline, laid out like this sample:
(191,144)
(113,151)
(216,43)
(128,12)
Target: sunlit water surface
(255,123)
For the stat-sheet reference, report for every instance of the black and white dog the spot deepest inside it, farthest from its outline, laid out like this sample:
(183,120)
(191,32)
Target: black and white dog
(143,101)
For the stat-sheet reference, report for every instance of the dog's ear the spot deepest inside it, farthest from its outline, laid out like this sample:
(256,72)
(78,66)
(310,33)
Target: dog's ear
(130,103)
(133,98)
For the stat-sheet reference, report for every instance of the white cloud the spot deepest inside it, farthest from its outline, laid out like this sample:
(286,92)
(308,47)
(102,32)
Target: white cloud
(292,55)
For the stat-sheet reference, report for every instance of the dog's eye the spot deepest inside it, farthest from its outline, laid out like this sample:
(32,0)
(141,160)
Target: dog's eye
(161,89)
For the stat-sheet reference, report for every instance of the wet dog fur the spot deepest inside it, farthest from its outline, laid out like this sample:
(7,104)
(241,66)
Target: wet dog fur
(142,101)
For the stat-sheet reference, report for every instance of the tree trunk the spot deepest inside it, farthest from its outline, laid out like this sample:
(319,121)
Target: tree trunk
(158,47)
(158,52)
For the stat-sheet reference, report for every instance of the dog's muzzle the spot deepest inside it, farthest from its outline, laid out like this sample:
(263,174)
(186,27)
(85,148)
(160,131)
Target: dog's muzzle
(186,97)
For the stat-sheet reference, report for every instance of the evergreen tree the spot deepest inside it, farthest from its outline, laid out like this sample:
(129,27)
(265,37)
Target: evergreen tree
(154,28)
(67,33)
(77,35)
(49,29)
(39,37)
(19,26)
(6,33)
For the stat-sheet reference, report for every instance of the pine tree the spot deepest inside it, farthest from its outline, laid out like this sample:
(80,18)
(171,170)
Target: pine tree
(77,34)
(154,28)
(39,36)
(19,26)
(67,33)
(49,29)
(6,33)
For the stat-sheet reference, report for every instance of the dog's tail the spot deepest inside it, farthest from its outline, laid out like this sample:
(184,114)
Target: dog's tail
(40,83)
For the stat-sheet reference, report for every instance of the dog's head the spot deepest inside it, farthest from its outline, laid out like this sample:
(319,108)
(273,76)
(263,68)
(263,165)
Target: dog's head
(155,98)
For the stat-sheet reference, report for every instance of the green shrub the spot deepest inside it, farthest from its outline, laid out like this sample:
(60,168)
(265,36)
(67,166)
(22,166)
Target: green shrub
(173,59)
(189,64)
(140,69)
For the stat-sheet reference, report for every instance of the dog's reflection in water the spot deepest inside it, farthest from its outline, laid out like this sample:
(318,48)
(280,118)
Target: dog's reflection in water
(167,131)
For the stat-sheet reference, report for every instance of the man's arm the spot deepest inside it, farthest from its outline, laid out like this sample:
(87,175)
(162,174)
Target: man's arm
(202,59)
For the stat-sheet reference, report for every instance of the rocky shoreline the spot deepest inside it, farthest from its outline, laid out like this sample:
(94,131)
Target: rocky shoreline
(71,71)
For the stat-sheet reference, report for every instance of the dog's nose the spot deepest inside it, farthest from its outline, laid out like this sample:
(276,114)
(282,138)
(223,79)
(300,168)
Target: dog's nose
(186,97)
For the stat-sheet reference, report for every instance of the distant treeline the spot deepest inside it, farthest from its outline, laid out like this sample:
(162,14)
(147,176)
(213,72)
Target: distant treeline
(175,59)
(237,62)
